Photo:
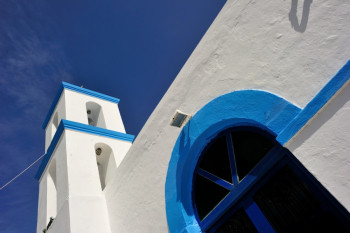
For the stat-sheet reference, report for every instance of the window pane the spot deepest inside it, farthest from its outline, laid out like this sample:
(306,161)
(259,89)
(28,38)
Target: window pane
(249,148)
(207,195)
(216,160)
(290,206)
(239,222)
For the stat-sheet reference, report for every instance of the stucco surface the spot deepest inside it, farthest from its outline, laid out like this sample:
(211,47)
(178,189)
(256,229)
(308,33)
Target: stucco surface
(80,198)
(50,199)
(323,146)
(76,110)
(77,194)
(72,106)
(250,45)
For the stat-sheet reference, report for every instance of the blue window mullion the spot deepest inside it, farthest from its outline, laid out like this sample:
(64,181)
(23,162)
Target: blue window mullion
(215,179)
(232,159)
(258,219)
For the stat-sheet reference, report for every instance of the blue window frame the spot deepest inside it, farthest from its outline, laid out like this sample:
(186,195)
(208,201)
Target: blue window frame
(256,108)
(245,181)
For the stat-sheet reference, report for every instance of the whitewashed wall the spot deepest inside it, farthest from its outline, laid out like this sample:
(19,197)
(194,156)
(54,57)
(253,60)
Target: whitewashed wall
(250,45)
(72,106)
(323,146)
(80,199)
(77,201)
(46,193)
(76,110)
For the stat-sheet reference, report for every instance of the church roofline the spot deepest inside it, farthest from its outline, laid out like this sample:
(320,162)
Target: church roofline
(76,89)
(65,124)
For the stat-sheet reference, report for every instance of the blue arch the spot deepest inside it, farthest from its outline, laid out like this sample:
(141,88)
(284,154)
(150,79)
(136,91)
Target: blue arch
(246,107)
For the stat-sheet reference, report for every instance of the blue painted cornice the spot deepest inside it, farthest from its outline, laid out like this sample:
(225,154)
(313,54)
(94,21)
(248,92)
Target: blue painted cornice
(72,87)
(71,125)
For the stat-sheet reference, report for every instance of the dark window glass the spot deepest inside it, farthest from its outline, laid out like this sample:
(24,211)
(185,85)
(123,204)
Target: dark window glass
(249,149)
(207,195)
(239,222)
(290,206)
(216,160)
(287,202)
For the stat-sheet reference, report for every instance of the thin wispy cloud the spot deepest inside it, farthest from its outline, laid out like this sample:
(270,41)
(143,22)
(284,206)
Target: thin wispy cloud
(130,50)
(31,67)
(32,64)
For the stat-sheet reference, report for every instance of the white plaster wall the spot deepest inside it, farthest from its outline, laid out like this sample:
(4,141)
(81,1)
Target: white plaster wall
(250,45)
(86,201)
(72,106)
(42,205)
(87,214)
(76,110)
(61,172)
(107,165)
(87,205)
(111,168)
(46,205)
(52,197)
(82,164)
(80,201)
(323,146)
(61,224)
(78,187)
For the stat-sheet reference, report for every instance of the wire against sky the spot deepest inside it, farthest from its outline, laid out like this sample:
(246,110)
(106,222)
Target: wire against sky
(19,174)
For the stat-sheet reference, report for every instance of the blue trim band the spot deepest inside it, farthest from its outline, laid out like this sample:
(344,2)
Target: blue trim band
(97,131)
(50,150)
(90,93)
(241,108)
(53,106)
(65,124)
(79,90)
(316,104)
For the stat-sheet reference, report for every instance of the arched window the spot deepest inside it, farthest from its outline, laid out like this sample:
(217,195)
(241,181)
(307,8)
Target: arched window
(95,115)
(245,181)
(52,191)
(105,163)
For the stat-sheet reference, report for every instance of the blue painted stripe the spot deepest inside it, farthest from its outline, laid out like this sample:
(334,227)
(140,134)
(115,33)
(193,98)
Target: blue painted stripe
(90,93)
(79,90)
(315,105)
(231,154)
(50,150)
(258,218)
(97,131)
(215,179)
(65,124)
(53,106)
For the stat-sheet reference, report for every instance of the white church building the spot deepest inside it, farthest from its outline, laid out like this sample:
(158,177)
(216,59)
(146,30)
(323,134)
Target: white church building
(253,135)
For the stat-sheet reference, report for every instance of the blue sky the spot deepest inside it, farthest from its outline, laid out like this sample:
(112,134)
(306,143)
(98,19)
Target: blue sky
(131,50)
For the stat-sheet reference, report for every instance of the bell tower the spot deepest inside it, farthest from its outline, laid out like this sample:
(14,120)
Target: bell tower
(85,142)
